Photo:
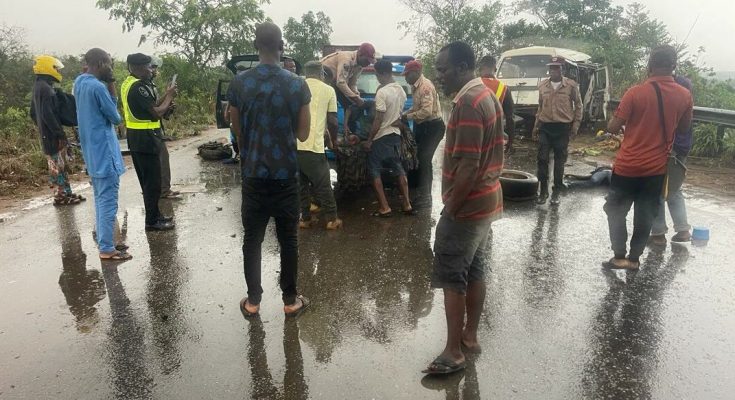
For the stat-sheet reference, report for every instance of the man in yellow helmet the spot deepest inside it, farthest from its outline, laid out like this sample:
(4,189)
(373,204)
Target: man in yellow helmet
(45,112)
(142,114)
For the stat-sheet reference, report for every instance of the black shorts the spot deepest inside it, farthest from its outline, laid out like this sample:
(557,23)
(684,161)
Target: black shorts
(385,153)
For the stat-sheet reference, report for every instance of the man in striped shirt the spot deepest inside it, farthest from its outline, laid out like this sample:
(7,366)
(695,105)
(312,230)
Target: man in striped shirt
(473,199)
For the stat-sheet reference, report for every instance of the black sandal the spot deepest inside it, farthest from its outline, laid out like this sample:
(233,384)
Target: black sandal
(245,312)
(441,366)
(65,200)
(305,303)
(382,215)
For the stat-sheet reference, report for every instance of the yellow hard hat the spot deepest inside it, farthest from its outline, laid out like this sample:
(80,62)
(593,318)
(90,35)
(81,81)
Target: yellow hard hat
(47,65)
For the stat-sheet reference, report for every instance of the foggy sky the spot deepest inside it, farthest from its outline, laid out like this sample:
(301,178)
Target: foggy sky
(74,26)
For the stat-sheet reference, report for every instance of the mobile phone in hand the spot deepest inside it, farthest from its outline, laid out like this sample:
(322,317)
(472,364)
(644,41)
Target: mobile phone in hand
(173,79)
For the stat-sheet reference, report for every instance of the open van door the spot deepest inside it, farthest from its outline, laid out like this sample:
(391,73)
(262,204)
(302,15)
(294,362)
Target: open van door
(600,94)
(220,105)
(238,64)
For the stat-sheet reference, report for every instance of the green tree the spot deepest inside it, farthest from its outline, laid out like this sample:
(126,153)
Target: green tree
(204,32)
(16,75)
(435,23)
(305,39)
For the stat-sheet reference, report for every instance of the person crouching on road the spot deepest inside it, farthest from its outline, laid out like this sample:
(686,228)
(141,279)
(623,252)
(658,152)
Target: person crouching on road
(558,118)
(384,141)
(652,112)
(269,105)
(473,199)
(166,192)
(143,122)
(314,177)
(428,128)
(45,113)
(96,100)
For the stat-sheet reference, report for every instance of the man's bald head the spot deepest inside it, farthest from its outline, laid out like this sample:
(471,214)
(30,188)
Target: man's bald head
(268,38)
(95,56)
(99,63)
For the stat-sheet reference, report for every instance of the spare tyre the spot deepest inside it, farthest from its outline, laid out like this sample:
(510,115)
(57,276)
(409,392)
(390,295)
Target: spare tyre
(214,151)
(518,185)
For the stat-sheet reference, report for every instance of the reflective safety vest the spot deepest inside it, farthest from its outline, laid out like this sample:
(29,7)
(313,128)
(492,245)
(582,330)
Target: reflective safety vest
(496,86)
(131,122)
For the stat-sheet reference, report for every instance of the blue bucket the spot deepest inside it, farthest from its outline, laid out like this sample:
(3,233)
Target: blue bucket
(700,233)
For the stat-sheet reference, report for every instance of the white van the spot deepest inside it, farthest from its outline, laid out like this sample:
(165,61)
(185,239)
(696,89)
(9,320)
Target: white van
(523,69)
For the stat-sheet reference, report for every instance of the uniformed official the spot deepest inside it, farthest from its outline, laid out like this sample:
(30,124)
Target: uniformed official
(559,116)
(345,67)
(142,120)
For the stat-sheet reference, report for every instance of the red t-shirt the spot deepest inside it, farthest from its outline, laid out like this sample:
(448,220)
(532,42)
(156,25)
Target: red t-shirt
(643,152)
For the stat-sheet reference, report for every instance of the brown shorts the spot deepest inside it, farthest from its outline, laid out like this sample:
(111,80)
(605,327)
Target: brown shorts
(461,253)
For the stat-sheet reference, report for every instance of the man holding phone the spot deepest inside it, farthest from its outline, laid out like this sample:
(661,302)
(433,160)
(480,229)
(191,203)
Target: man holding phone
(143,121)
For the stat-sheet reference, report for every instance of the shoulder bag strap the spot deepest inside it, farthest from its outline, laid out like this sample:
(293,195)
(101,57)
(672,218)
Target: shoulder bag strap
(661,113)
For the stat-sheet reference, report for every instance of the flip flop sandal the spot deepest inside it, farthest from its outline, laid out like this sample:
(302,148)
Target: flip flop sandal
(78,196)
(245,312)
(305,303)
(410,212)
(65,201)
(441,366)
(382,215)
(117,256)
(629,265)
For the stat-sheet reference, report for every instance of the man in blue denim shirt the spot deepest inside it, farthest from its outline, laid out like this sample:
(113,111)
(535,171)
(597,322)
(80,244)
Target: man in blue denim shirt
(269,109)
(94,92)
(675,199)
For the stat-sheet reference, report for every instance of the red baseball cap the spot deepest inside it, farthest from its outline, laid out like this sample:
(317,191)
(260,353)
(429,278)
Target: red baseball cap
(413,65)
(367,50)
(556,60)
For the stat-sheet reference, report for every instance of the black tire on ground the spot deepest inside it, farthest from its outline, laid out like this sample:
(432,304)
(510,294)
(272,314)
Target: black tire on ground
(518,185)
(214,151)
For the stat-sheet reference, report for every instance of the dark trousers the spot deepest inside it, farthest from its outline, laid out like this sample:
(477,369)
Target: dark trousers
(165,169)
(552,136)
(315,181)
(428,135)
(148,169)
(261,200)
(644,194)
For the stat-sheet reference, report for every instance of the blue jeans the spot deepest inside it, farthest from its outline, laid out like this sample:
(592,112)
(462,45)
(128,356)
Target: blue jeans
(105,209)
(675,201)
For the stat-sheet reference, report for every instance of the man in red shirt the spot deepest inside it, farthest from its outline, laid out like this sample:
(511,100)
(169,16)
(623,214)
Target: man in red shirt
(473,199)
(652,112)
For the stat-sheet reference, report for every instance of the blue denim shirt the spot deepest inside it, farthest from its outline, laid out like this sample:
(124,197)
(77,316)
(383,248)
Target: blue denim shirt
(97,114)
(683,138)
(269,99)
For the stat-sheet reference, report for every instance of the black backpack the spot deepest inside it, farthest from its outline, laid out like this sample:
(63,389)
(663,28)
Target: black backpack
(66,107)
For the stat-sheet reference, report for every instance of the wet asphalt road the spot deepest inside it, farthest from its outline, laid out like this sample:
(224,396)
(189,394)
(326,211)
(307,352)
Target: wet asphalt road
(166,325)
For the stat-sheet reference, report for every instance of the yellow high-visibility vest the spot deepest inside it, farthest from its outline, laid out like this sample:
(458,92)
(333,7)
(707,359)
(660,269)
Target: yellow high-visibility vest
(130,121)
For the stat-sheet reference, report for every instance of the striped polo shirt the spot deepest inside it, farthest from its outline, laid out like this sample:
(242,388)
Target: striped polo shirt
(475,130)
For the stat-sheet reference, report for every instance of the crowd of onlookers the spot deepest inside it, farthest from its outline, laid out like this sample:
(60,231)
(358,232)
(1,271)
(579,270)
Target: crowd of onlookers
(281,122)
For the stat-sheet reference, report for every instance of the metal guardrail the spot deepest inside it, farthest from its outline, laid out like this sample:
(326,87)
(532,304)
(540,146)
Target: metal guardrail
(716,116)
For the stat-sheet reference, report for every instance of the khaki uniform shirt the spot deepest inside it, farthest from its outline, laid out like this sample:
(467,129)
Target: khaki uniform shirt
(426,105)
(345,71)
(560,105)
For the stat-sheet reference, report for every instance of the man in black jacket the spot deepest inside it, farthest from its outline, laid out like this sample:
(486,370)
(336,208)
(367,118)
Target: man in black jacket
(45,113)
